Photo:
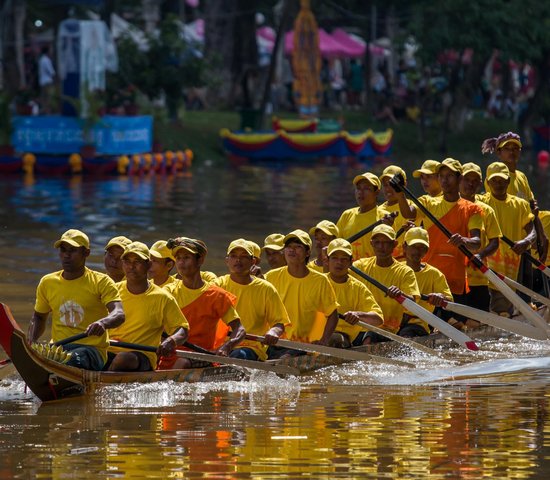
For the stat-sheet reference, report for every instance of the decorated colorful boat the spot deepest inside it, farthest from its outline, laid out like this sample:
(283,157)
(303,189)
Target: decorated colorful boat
(281,144)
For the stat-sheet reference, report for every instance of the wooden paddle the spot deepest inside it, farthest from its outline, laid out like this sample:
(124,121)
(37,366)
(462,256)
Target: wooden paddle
(522,288)
(537,263)
(66,341)
(396,338)
(370,228)
(211,358)
(528,313)
(331,351)
(436,322)
(497,321)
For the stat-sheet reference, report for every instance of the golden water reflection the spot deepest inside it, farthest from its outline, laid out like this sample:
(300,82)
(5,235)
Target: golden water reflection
(454,431)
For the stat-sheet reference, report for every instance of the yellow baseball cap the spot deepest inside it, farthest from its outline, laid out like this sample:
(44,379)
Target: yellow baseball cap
(385,230)
(471,167)
(241,243)
(498,169)
(369,177)
(188,246)
(119,242)
(73,237)
(339,245)
(160,250)
(429,167)
(140,249)
(510,140)
(275,241)
(299,235)
(325,226)
(257,251)
(417,235)
(451,163)
(392,170)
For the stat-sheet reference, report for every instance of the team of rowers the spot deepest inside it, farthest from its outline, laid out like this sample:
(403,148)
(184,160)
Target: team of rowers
(141,300)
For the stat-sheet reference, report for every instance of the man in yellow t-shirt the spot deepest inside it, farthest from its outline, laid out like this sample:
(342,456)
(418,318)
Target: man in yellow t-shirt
(259,305)
(367,187)
(398,277)
(307,296)
(162,263)
(430,281)
(391,204)
(80,300)
(516,222)
(507,147)
(150,311)
(478,296)
(112,259)
(354,299)
(429,180)
(323,233)
(274,250)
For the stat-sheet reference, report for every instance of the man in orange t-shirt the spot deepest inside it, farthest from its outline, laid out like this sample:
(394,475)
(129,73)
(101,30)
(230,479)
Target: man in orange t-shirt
(461,217)
(209,309)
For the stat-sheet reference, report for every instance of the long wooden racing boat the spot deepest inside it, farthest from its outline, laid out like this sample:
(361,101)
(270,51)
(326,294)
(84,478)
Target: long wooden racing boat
(50,380)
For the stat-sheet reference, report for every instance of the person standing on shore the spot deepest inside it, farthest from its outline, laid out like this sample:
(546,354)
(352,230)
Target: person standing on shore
(46,77)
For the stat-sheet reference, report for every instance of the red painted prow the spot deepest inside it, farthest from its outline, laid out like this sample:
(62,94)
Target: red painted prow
(7,327)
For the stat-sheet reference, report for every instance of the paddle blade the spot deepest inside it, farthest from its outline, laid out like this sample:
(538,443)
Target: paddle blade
(535,319)
(497,321)
(522,288)
(436,322)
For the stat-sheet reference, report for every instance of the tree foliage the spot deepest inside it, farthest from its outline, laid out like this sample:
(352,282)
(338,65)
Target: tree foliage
(519,29)
(168,65)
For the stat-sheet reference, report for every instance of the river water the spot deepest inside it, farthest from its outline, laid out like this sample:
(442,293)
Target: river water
(466,416)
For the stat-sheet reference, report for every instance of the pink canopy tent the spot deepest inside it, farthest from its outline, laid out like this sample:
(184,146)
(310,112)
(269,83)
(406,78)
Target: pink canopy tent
(337,44)
(357,43)
(352,45)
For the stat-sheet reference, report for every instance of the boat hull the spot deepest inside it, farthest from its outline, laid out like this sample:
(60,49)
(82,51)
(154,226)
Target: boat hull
(50,380)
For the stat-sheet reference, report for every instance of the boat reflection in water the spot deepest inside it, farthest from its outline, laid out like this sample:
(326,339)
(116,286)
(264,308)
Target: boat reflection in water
(495,429)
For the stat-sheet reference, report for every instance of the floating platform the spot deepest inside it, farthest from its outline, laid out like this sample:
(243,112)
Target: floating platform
(168,162)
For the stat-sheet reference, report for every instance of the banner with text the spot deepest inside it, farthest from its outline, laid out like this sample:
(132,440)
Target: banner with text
(112,135)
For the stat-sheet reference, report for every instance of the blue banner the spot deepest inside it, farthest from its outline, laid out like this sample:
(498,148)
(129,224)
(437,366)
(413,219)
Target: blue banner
(112,135)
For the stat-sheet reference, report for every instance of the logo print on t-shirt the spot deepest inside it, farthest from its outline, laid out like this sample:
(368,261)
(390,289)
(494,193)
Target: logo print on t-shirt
(71,314)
